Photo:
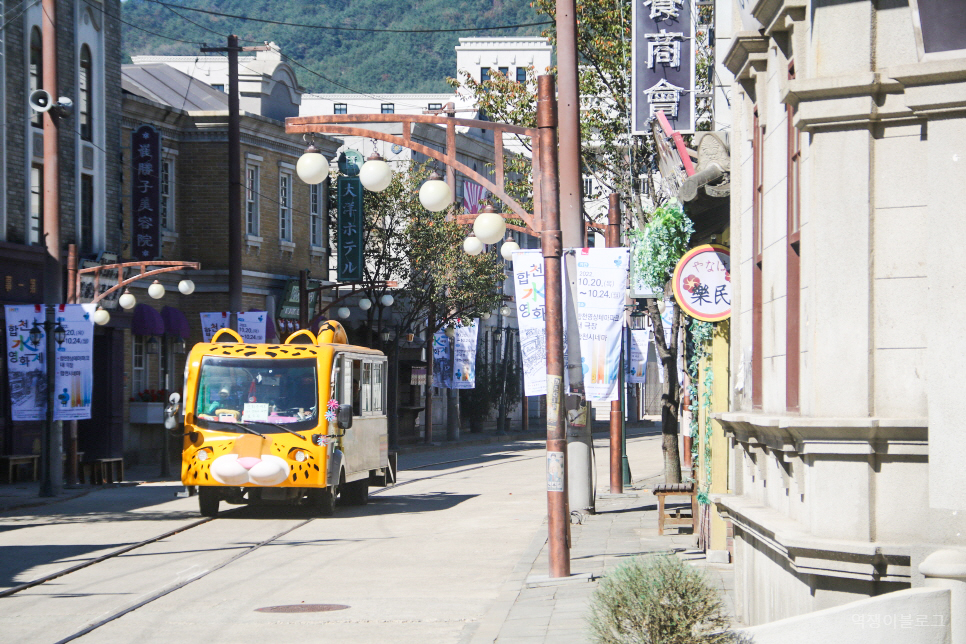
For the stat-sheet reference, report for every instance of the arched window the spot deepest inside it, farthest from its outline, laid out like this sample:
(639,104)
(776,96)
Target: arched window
(36,71)
(85,80)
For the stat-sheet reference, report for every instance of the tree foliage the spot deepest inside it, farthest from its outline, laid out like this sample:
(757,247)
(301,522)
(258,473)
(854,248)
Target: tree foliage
(362,61)
(661,243)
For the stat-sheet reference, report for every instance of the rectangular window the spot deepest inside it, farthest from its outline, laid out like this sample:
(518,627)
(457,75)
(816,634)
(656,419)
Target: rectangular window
(167,194)
(757,360)
(366,387)
(138,365)
(793,258)
(251,200)
(377,388)
(521,74)
(388,108)
(505,71)
(84,82)
(218,86)
(315,214)
(484,74)
(340,108)
(588,186)
(285,206)
(355,377)
(36,80)
(87,214)
(36,203)
(435,106)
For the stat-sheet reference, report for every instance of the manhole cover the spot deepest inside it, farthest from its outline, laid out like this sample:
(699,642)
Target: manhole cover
(302,608)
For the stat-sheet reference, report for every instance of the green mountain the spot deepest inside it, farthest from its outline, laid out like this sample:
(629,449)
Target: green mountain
(332,60)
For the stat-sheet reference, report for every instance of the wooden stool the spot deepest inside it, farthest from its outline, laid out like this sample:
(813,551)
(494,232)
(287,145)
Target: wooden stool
(20,459)
(674,516)
(105,470)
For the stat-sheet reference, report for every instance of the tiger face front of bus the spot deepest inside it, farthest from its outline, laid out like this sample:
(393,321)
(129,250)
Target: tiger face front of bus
(256,417)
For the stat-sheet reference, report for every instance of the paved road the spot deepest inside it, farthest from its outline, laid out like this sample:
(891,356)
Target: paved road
(418,564)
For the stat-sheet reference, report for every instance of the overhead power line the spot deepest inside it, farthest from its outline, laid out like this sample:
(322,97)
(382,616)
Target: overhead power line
(362,29)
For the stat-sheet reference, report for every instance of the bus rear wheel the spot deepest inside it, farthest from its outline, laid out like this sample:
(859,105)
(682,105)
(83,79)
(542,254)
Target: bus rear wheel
(208,500)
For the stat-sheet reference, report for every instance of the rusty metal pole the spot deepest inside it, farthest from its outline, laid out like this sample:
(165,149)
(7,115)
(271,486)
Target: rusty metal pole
(557,510)
(72,297)
(234,185)
(616,409)
(303,299)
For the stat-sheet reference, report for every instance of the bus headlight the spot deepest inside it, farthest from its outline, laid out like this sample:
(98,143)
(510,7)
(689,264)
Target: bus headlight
(298,455)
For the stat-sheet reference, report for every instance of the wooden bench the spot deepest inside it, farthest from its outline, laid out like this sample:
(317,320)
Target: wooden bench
(674,516)
(15,460)
(103,470)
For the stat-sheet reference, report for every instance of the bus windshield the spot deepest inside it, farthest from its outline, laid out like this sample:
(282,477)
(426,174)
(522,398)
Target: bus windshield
(262,392)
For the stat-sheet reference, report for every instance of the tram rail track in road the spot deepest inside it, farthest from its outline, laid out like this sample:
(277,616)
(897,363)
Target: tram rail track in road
(507,458)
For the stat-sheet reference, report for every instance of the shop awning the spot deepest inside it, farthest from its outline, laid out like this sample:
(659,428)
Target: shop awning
(175,323)
(146,321)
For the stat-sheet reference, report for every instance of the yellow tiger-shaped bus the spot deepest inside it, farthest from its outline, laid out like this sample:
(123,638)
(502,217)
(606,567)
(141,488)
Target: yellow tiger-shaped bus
(301,422)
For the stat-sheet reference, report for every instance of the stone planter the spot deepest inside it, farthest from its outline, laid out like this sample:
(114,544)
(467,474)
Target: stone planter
(147,413)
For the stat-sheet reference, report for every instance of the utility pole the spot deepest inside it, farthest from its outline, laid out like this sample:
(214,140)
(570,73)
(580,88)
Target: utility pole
(234,175)
(558,514)
(616,406)
(428,412)
(580,443)
(53,287)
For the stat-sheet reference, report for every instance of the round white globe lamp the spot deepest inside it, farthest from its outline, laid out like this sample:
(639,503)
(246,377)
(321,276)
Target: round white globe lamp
(127,301)
(343,312)
(312,167)
(486,315)
(365,304)
(489,226)
(101,317)
(387,300)
(472,245)
(156,290)
(187,287)
(450,331)
(435,195)
(505,310)
(375,174)
(509,247)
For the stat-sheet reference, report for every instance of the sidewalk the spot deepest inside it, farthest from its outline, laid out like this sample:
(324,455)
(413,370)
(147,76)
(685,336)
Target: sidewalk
(534,609)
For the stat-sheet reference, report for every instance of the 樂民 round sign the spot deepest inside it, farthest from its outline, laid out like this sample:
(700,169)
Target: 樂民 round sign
(702,283)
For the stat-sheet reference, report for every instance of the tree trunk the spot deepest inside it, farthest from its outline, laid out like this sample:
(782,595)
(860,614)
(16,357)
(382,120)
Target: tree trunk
(670,400)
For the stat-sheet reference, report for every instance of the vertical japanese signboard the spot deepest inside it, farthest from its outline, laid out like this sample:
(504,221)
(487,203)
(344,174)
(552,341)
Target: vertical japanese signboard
(601,291)
(350,229)
(26,363)
(146,193)
(74,375)
(663,61)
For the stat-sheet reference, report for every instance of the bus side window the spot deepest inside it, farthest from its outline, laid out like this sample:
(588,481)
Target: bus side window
(367,386)
(357,387)
(336,393)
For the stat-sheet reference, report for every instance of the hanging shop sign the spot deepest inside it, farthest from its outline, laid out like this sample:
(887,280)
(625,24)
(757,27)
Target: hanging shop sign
(663,63)
(107,279)
(288,307)
(350,229)
(74,372)
(211,323)
(146,193)
(253,326)
(601,291)
(26,363)
(464,356)
(702,283)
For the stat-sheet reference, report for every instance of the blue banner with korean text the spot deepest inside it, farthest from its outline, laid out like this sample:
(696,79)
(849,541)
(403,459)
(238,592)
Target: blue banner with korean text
(663,62)
(350,229)
(146,193)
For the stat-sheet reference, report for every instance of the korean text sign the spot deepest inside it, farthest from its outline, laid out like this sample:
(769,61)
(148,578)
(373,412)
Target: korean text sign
(663,62)
(146,193)
(253,326)
(211,323)
(531,302)
(26,363)
(74,375)
(464,359)
(601,291)
(350,229)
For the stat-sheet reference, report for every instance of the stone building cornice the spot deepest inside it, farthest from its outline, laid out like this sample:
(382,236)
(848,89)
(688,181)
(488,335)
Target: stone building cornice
(748,53)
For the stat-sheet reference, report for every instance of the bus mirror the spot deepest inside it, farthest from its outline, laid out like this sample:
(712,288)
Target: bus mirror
(171,411)
(345,416)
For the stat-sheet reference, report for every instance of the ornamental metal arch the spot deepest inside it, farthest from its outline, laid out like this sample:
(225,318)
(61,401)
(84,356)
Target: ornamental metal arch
(342,124)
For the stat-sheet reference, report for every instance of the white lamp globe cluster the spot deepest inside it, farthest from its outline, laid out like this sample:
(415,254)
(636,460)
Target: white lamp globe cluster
(312,167)
(489,226)
(509,247)
(375,174)
(435,194)
(472,245)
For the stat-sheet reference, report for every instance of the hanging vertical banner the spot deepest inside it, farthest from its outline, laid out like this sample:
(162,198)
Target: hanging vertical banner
(74,372)
(442,364)
(531,303)
(26,363)
(601,291)
(146,193)
(253,326)
(212,322)
(464,358)
(637,361)
(350,229)
(663,63)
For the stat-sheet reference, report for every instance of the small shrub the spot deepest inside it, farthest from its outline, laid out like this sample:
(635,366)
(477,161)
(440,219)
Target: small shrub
(658,600)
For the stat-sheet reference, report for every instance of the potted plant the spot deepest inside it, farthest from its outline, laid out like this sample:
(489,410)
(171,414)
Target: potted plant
(147,407)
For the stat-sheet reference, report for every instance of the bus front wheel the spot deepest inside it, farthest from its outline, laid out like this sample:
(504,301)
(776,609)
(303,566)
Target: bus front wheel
(325,501)
(208,500)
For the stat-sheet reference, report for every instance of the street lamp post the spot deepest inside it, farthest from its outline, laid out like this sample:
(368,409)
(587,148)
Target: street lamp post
(50,483)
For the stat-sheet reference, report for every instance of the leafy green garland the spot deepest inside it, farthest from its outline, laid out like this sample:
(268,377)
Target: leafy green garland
(701,334)
(661,244)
